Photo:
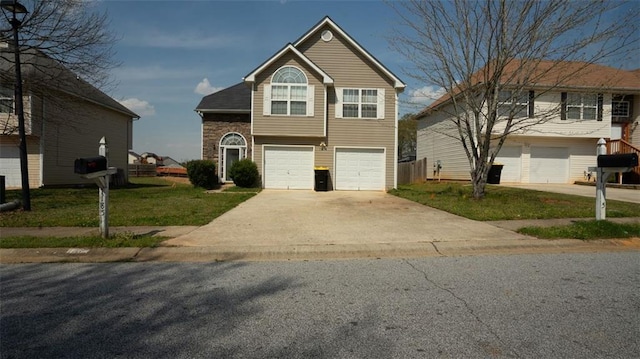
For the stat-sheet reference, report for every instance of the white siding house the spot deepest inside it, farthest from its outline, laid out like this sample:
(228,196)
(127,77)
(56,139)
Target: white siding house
(558,149)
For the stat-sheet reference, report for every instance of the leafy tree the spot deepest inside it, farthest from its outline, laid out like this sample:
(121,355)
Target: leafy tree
(407,129)
(473,50)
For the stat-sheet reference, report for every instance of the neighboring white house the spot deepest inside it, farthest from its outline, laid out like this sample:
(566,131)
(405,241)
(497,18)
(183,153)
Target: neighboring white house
(597,102)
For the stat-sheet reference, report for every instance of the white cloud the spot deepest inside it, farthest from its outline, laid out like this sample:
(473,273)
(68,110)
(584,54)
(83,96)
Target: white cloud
(425,95)
(205,88)
(141,107)
(189,40)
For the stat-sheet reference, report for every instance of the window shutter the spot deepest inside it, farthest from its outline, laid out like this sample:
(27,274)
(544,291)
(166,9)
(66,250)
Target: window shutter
(310,97)
(267,100)
(563,106)
(600,103)
(339,94)
(532,97)
(380,104)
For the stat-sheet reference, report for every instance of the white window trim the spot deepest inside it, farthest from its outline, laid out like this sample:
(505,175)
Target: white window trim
(628,108)
(582,106)
(309,101)
(513,102)
(380,109)
(9,98)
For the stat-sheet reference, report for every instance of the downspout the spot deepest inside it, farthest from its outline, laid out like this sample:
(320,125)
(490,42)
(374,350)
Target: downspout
(42,141)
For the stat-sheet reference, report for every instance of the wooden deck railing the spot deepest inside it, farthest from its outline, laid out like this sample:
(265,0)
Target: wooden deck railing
(622,146)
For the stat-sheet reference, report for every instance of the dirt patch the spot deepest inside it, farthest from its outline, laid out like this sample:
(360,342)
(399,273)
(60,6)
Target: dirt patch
(183,180)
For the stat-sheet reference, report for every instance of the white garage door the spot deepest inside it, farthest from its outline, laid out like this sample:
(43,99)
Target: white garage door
(510,157)
(360,169)
(549,165)
(10,165)
(288,167)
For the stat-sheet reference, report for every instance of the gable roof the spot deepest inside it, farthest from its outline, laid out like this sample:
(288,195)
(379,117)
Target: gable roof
(41,71)
(562,75)
(398,84)
(236,98)
(251,77)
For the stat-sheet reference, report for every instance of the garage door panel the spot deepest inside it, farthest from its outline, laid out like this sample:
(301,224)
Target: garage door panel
(549,165)
(511,158)
(10,165)
(288,167)
(360,169)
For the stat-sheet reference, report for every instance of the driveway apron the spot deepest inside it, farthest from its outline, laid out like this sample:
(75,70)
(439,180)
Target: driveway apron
(282,218)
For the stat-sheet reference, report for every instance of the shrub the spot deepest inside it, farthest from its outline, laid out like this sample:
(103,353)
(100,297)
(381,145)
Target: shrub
(245,173)
(202,173)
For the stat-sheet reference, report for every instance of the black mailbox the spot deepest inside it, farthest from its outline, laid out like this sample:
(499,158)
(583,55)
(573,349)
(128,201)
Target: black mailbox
(621,160)
(85,166)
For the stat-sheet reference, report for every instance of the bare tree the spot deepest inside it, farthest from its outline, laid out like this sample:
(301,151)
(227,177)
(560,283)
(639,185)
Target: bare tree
(487,55)
(66,49)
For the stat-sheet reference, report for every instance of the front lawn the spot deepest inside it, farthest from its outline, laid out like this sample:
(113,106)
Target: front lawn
(505,203)
(151,201)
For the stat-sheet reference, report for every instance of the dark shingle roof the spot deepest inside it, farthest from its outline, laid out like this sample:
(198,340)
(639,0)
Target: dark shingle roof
(236,98)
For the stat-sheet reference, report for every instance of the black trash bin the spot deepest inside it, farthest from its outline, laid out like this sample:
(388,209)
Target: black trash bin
(322,178)
(494,174)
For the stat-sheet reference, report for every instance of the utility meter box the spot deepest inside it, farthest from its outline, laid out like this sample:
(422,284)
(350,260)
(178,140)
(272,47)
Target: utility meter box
(89,165)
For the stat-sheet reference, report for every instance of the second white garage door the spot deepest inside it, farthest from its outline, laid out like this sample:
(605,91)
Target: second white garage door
(549,165)
(288,167)
(359,169)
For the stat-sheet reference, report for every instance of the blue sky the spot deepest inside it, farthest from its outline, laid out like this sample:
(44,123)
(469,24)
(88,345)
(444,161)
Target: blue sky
(174,53)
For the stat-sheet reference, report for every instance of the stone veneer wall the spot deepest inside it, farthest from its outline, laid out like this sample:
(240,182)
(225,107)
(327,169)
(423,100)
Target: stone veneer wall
(214,126)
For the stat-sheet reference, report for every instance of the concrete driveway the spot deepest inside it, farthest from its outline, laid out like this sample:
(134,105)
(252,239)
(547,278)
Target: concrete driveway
(338,218)
(618,194)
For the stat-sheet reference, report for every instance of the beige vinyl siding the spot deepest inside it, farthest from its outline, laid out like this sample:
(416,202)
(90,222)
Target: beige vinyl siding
(351,70)
(74,130)
(436,140)
(296,126)
(33,157)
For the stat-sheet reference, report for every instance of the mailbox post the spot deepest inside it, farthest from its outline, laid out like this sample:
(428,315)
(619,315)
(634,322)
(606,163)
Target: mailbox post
(97,168)
(607,165)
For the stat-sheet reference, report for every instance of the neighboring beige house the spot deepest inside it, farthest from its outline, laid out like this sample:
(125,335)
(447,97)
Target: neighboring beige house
(596,102)
(321,101)
(65,119)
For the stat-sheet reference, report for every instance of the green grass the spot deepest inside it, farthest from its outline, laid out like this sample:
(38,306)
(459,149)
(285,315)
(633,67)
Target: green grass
(145,202)
(505,203)
(117,241)
(585,230)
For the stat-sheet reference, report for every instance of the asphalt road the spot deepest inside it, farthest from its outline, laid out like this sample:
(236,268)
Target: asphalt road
(518,306)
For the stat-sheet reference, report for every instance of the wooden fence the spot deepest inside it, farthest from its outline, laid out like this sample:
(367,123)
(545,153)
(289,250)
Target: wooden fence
(142,170)
(414,171)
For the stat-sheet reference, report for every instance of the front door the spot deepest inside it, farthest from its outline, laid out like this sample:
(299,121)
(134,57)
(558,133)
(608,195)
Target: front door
(231,155)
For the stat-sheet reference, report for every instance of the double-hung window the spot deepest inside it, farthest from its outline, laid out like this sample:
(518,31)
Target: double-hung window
(359,103)
(581,106)
(289,94)
(514,104)
(6,100)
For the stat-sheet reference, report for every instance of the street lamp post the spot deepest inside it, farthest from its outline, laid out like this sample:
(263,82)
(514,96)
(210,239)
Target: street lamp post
(15,7)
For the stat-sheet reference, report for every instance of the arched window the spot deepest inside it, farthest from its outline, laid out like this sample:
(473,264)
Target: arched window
(233,139)
(289,88)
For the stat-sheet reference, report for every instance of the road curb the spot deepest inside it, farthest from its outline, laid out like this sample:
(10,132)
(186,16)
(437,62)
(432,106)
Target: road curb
(313,252)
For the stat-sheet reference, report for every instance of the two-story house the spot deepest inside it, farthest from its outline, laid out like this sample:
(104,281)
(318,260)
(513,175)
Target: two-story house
(322,101)
(568,118)
(65,118)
